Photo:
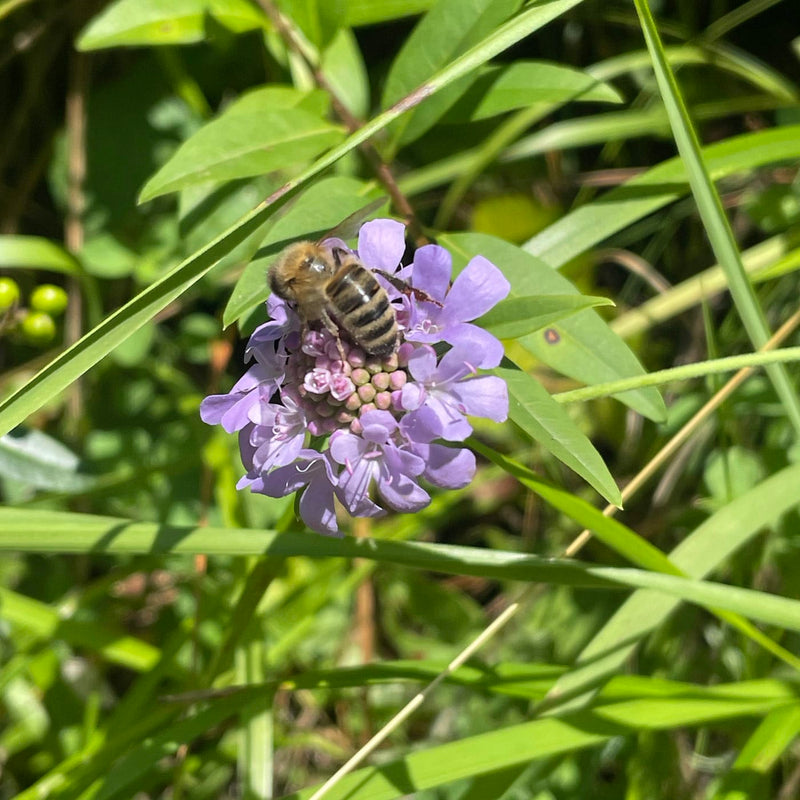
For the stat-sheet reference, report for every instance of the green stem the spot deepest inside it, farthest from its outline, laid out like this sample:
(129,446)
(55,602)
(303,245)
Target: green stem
(686,372)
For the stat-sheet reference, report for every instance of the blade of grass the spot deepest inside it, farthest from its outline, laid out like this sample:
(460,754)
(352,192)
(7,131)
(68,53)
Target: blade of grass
(452,559)
(712,366)
(712,213)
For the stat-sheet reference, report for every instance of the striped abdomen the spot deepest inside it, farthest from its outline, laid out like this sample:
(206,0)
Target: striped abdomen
(362,308)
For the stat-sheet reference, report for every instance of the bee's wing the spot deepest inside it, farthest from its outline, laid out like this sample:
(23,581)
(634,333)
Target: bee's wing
(349,226)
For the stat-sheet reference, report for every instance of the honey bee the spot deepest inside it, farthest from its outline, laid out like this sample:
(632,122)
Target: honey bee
(330,285)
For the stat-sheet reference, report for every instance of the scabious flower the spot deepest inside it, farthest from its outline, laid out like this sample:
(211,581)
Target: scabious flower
(326,419)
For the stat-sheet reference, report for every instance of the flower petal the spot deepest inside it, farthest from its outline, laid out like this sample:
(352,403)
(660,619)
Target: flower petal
(381,243)
(354,484)
(455,427)
(449,467)
(486,350)
(317,509)
(480,286)
(377,426)
(486,396)
(422,364)
(402,494)
(346,447)
(432,268)
(422,425)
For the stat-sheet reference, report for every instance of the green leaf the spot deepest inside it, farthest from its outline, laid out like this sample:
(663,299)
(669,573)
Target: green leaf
(448,30)
(525,83)
(320,208)
(344,68)
(369,12)
(583,346)
(152,22)
(319,20)
(34,252)
(518,316)
(749,776)
(533,409)
(37,460)
(241,144)
(41,531)
(715,221)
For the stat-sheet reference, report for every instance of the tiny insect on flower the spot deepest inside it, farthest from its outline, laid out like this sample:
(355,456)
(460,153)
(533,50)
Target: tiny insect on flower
(375,417)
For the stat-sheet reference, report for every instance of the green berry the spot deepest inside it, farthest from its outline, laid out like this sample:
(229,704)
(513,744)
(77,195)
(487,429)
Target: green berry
(49,298)
(38,328)
(9,293)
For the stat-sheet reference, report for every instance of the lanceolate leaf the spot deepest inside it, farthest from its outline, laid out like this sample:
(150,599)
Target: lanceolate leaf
(449,29)
(37,460)
(709,205)
(243,144)
(518,316)
(65,532)
(152,22)
(582,346)
(533,409)
(368,12)
(34,252)
(523,83)
(543,738)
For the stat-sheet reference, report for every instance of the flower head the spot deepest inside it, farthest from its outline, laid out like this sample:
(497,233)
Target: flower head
(374,422)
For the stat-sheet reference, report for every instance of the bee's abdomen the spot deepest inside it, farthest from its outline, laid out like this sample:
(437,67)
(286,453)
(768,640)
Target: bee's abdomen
(363,309)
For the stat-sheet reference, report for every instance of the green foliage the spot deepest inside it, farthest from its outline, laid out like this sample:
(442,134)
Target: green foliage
(165,635)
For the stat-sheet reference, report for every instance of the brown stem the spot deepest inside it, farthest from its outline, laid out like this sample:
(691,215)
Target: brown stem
(351,122)
(77,89)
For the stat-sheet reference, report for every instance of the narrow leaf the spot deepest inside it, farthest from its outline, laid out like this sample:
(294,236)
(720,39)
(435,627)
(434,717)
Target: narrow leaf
(518,316)
(448,30)
(706,548)
(616,209)
(498,90)
(152,22)
(34,252)
(533,409)
(241,145)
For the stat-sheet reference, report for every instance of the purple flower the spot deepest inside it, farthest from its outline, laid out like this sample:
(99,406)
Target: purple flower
(447,390)
(314,471)
(374,458)
(378,422)
(232,410)
(477,289)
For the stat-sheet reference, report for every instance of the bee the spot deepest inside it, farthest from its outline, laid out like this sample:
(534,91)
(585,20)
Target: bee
(329,284)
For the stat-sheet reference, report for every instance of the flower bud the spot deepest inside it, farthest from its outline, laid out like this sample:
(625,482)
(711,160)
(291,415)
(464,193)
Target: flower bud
(383,401)
(359,376)
(367,393)
(380,381)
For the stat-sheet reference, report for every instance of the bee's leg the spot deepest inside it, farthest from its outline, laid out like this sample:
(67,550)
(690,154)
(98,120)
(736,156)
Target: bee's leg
(333,329)
(407,289)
